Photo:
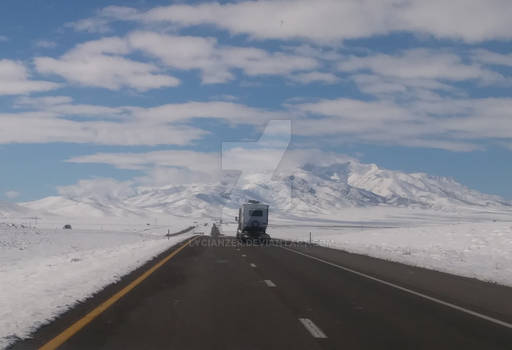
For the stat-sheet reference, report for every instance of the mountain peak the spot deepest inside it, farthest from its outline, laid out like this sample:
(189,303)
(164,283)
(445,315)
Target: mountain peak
(307,190)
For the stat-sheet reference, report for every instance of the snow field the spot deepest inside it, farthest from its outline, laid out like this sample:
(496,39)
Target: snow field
(476,250)
(45,272)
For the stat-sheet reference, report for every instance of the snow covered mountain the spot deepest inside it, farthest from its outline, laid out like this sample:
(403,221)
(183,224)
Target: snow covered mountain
(406,189)
(308,190)
(11,209)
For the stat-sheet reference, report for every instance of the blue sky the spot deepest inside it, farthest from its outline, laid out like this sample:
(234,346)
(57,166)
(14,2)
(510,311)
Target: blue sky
(145,92)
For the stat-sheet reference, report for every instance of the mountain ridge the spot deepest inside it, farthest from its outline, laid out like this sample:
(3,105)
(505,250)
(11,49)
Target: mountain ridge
(307,190)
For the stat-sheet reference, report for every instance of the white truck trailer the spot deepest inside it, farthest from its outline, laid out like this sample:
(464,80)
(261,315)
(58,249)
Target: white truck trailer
(252,222)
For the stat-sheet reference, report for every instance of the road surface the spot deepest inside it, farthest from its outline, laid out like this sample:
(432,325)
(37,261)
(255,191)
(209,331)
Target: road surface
(214,294)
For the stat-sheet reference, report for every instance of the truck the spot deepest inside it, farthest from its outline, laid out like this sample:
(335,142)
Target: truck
(252,222)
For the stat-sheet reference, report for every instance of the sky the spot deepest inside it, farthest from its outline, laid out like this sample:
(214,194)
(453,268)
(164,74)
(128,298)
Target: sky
(145,93)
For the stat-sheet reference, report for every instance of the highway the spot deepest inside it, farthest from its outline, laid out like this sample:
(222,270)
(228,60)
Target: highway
(215,294)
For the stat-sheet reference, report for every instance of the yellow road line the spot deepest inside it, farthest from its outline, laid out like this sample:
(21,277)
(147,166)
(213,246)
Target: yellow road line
(78,325)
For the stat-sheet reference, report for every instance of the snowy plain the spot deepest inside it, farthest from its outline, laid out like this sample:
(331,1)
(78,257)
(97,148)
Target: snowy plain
(476,250)
(45,271)
(466,243)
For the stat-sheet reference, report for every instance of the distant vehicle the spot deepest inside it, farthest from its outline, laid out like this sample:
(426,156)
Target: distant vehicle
(252,222)
(67,227)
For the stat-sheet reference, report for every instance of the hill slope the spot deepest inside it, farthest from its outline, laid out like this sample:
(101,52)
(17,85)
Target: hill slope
(310,190)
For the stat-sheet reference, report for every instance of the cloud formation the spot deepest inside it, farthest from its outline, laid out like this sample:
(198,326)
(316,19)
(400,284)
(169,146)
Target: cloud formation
(12,194)
(15,80)
(46,128)
(216,62)
(446,123)
(64,106)
(100,63)
(52,119)
(328,21)
(234,113)
(98,188)
(452,123)
(104,62)
(492,58)
(418,64)
(315,77)
(160,168)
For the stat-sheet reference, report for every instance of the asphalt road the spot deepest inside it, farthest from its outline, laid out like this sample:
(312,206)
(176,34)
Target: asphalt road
(214,294)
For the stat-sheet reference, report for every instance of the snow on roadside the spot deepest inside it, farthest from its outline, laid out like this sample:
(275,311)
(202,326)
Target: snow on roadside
(45,272)
(477,250)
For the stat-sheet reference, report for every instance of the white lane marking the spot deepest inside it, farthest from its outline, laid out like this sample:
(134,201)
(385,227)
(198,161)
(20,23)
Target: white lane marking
(410,291)
(243,255)
(269,283)
(312,328)
(253,265)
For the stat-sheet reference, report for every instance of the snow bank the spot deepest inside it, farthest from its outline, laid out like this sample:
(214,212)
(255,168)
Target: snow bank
(45,272)
(477,250)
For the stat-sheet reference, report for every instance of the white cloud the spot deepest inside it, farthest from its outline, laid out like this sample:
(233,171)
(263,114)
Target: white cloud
(46,44)
(468,20)
(3,38)
(160,176)
(169,113)
(44,127)
(224,97)
(179,167)
(184,53)
(50,119)
(294,158)
(262,155)
(274,140)
(419,64)
(87,110)
(329,54)
(64,106)
(99,63)
(43,101)
(351,109)
(485,118)
(162,167)
(393,87)
(99,188)
(452,124)
(214,61)
(326,21)
(91,25)
(331,21)
(12,194)
(255,61)
(492,58)
(102,62)
(101,22)
(184,166)
(228,111)
(15,80)
(192,160)
(417,74)
(252,160)
(311,77)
